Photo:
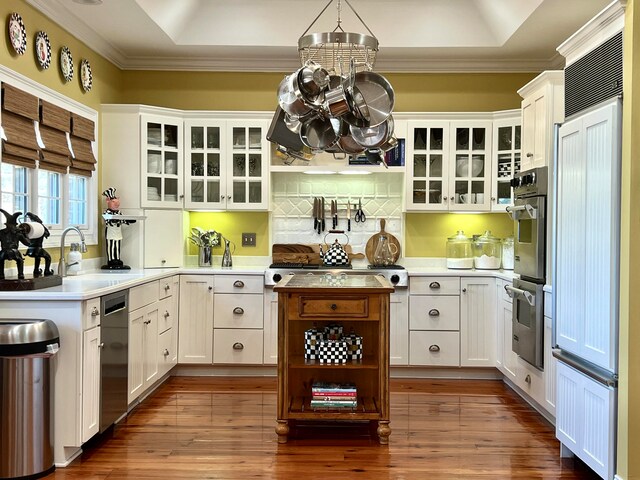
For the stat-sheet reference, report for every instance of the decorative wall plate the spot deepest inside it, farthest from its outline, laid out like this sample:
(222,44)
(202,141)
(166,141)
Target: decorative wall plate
(17,33)
(43,50)
(66,64)
(86,78)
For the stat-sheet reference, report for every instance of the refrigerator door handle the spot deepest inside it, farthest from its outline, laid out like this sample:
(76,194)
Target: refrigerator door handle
(598,374)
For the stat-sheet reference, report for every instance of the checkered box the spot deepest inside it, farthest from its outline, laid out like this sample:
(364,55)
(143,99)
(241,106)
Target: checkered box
(333,351)
(354,346)
(333,331)
(312,339)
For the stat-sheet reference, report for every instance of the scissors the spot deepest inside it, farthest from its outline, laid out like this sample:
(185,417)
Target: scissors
(360,216)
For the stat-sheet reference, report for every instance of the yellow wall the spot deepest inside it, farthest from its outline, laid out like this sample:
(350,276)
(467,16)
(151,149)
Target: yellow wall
(232,225)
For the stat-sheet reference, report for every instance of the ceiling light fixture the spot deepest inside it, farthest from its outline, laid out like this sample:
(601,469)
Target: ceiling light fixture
(335,102)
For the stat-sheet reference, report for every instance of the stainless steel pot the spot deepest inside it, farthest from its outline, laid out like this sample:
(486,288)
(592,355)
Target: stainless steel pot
(373,137)
(318,133)
(312,79)
(289,98)
(377,94)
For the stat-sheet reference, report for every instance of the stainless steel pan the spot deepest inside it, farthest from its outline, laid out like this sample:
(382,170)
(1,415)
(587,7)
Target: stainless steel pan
(373,137)
(378,96)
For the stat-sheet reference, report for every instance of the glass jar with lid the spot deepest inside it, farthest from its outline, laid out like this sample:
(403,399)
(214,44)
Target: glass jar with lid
(507,254)
(487,252)
(459,251)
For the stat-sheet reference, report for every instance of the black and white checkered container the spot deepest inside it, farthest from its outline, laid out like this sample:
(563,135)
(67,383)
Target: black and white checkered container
(354,346)
(333,351)
(312,339)
(333,331)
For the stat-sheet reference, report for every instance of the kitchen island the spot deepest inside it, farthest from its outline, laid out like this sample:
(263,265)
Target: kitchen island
(325,306)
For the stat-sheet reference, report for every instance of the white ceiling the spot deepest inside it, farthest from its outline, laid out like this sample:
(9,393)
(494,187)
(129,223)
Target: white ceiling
(262,35)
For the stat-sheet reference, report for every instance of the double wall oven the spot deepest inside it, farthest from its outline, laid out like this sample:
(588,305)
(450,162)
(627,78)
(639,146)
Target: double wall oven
(529,214)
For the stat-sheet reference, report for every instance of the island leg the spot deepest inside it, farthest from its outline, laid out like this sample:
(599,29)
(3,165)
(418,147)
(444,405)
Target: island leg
(384,430)
(282,429)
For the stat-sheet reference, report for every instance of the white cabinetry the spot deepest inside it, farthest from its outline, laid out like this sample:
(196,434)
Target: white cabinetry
(196,319)
(477,321)
(550,362)
(164,238)
(506,157)
(91,369)
(506,358)
(542,107)
(270,327)
(168,323)
(399,329)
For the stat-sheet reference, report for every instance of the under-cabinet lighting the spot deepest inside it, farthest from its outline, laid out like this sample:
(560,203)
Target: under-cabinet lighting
(355,172)
(319,172)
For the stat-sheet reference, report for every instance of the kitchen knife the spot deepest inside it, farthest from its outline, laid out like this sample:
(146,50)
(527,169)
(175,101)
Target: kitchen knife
(333,214)
(349,216)
(315,214)
(322,216)
(336,214)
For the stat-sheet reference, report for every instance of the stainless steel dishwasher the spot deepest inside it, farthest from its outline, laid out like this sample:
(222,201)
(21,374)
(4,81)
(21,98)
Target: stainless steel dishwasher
(114,357)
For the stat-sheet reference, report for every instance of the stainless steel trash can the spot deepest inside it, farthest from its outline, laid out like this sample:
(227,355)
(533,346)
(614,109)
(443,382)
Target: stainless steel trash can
(26,397)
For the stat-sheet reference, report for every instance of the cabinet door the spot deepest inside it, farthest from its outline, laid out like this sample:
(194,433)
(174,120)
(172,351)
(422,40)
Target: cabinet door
(164,238)
(506,161)
(195,337)
(477,322)
(427,166)
(90,382)
(470,166)
(136,353)
(510,359)
(161,162)
(151,349)
(270,327)
(399,328)
(247,182)
(205,168)
(550,363)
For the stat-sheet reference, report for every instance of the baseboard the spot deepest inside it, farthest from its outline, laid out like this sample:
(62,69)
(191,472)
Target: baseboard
(69,458)
(550,418)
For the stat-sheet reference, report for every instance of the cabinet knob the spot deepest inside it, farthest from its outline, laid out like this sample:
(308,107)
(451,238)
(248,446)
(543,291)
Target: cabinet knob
(228,197)
(166,287)
(452,198)
(238,311)
(181,197)
(434,348)
(527,379)
(163,261)
(221,197)
(434,312)
(210,289)
(334,306)
(95,312)
(529,155)
(238,346)
(166,314)
(434,285)
(101,345)
(165,352)
(464,290)
(493,199)
(147,322)
(238,284)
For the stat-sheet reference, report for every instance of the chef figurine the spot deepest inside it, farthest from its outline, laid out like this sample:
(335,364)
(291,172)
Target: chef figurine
(113,232)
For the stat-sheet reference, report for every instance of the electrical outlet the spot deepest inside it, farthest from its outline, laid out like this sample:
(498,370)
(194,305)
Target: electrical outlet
(248,239)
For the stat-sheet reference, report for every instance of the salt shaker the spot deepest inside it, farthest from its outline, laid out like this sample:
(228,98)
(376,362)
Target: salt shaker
(74,260)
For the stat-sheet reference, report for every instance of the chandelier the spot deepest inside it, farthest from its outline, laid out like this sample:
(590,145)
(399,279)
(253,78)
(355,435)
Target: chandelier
(334,102)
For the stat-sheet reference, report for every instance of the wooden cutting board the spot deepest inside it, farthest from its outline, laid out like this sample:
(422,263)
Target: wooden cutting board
(372,243)
(300,253)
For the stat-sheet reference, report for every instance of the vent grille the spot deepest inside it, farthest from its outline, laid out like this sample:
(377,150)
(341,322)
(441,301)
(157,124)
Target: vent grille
(595,77)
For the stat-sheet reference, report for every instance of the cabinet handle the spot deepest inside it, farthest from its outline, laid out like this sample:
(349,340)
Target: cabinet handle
(238,346)
(334,306)
(434,348)
(529,155)
(238,283)
(527,379)
(101,345)
(221,197)
(166,287)
(95,312)
(163,261)
(434,312)
(165,352)
(464,290)
(147,322)
(238,311)
(166,314)
(210,288)
(434,285)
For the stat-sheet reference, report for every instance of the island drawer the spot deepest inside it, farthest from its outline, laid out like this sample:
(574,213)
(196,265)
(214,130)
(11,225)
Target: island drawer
(91,314)
(166,287)
(165,318)
(239,283)
(143,295)
(434,348)
(237,346)
(307,306)
(238,310)
(434,312)
(434,285)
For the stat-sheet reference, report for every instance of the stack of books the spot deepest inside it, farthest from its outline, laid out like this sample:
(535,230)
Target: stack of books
(333,395)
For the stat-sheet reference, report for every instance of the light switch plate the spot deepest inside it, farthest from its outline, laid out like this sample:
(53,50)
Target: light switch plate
(248,239)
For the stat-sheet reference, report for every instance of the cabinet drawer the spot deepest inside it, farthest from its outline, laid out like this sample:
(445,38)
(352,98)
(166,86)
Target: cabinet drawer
(434,285)
(322,307)
(165,316)
(91,314)
(167,356)
(143,295)
(237,346)
(434,348)
(433,312)
(166,287)
(530,380)
(239,283)
(237,310)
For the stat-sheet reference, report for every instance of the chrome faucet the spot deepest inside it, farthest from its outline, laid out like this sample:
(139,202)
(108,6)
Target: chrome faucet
(62,265)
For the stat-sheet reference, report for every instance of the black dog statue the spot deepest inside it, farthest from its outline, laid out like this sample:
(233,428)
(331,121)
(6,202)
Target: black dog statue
(36,236)
(10,238)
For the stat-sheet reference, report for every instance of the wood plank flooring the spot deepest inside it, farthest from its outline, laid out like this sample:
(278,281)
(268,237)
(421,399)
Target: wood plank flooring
(223,428)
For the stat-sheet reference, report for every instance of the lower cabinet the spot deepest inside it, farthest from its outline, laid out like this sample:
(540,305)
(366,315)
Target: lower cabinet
(398,329)
(90,382)
(270,333)
(195,338)
(477,321)
(506,359)
(143,349)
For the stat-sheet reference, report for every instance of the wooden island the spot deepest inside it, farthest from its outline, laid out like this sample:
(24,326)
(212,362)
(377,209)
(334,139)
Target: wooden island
(358,302)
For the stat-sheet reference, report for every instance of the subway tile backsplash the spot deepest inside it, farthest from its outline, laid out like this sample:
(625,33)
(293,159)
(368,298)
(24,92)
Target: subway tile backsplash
(292,206)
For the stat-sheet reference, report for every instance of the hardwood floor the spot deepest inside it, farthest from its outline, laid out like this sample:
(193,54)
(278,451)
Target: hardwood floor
(223,428)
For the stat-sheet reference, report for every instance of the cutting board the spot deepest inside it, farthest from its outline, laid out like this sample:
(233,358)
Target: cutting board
(300,253)
(372,243)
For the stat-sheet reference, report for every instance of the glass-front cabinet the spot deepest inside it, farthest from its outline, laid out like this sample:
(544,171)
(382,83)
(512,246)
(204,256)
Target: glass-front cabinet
(161,162)
(227,164)
(506,159)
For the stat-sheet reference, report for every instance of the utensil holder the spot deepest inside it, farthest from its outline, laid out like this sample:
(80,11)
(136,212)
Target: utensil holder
(204,256)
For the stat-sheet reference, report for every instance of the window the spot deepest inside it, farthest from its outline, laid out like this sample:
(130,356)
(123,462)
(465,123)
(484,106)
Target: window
(49,199)
(78,200)
(14,188)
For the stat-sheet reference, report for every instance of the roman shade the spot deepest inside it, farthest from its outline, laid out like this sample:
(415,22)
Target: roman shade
(19,111)
(55,124)
(82,134)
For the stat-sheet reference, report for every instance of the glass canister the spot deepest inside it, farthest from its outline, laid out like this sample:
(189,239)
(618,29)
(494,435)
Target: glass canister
(507,253)
(459,251)
(487,252)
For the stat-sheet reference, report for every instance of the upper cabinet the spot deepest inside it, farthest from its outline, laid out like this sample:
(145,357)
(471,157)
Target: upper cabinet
(542,107)
(506,158)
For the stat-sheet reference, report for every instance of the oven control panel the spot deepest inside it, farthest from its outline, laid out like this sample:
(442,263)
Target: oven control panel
(530,182)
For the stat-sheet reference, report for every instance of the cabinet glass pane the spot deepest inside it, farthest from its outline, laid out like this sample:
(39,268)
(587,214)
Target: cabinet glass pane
(435,140)
(419,165)
(419,191)
(213,137)
(255,165)
(171,163)
(239,138)
(479,135)
(255,192)
(197,137)
(504,138)
(154,134)
(420,139)
(462,191)
(516,162)
(504,193)
(239,165)
(213,191)
(197,191)
(435,165)
(213,164)
(171,189)
(462,166)
(516,141)
(435,191)
(477,187)
(462,139)
(255,137)
(197,164)
(504,165)
(154,188)
(239,192)
(154,161)
(477,165)
(171,136)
